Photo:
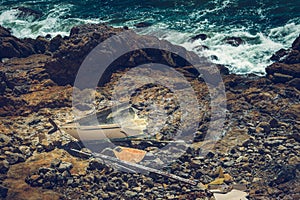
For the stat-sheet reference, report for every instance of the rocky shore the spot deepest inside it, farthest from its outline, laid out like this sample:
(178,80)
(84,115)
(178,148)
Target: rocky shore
(259,149)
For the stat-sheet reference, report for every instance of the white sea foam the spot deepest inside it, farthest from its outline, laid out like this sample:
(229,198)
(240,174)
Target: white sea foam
(251,57)
(52,23)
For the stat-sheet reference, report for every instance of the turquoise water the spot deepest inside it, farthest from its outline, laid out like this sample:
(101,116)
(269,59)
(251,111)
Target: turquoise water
(264,25)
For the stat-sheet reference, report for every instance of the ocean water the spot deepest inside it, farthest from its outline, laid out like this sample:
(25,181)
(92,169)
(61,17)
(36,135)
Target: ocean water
(264,25)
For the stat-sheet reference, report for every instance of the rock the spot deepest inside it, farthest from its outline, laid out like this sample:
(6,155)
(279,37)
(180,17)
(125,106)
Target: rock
(234,41)
(25,150)
(55,43)
(55,163)
(25,12)
(279,55)
(3,191)
(201,36)
(11,46)
(295,160)
(4,166)
(4,32)
(14,158)
(295,83)
(142,25)
(228,163)
(4,140)
(285,174)
(264,126)
(296,44)
(96,164)
(130,194)
(274,123)
(281,78)
(63,166)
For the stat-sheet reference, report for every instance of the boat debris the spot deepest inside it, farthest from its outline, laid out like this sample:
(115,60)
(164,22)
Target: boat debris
(136,166)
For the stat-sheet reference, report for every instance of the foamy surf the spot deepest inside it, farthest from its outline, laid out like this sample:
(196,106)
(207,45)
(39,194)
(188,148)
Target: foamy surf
(254,22)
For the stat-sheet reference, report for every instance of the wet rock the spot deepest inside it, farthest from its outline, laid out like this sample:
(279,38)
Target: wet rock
(4,32)
(296,44)
(142,24)
(279,55)
(201,36)
(25,12)
(234,41)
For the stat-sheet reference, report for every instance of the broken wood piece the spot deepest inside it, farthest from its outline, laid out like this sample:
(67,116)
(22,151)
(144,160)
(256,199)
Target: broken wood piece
(137,166)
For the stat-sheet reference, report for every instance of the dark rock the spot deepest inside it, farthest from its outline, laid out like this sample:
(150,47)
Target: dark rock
(3,191)
(234,41)
(296,44)
(63,166)
(55,163)
(293,57)
(223,70)
(40,45)
(4,166)
(14,158)
(13,47)
(201,36)
(284,174)
(4,32)
(279,55)
(96,164)
(295,83)
(55,43)
(281,78)
(25,12)
(142,24)
(282,68)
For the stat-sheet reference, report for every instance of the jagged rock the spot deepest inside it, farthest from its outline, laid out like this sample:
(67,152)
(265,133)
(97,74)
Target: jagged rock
(201,36)
(279,55)
(25,12)
(296,44)
(234,41)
